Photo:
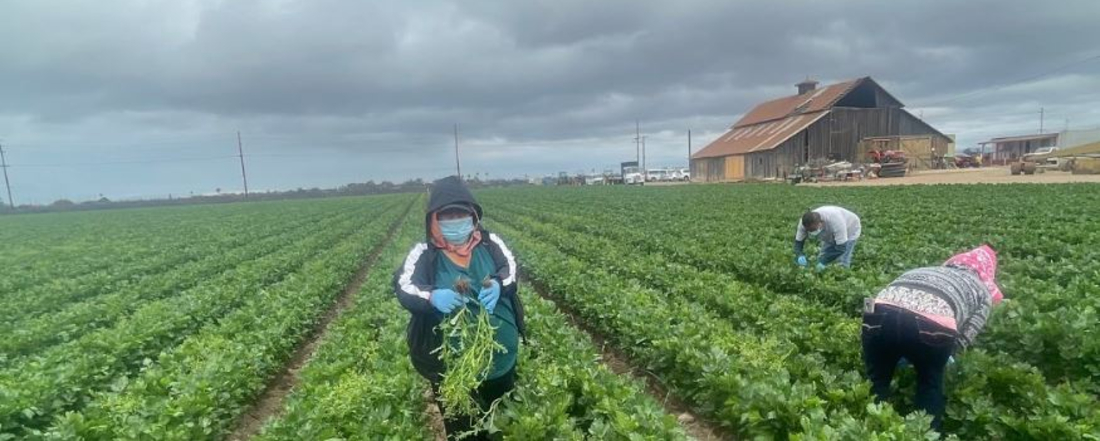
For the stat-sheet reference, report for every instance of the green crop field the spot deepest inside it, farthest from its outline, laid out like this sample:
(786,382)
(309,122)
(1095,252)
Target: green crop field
(171,323)
(697,284)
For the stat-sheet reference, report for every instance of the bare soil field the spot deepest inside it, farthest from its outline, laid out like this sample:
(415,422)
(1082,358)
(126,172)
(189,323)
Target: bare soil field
(987,175)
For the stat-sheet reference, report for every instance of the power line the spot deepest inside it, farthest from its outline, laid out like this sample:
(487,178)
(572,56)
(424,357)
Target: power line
(118,148)
(200,158)
(280,155)
(240,154)
(81,144)
(1020,114)
(392,149)
(1015,82)
(203,141)
(144,161)
(344,146)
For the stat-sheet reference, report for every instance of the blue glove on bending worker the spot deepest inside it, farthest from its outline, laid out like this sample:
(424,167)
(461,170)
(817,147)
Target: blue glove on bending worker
(801,261)
(820,266)
(489,296)
(445,300)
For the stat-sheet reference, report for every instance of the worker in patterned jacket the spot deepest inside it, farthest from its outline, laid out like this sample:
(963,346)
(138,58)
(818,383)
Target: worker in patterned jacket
(924,316)
(838,230)
(457,246)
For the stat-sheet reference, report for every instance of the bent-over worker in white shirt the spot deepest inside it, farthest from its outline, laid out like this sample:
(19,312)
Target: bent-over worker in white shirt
(838,230)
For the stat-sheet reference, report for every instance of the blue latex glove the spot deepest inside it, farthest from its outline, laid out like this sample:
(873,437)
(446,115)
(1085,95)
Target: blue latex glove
(951,360)
(489,296)
(820,266)
(446,300)
(801,261)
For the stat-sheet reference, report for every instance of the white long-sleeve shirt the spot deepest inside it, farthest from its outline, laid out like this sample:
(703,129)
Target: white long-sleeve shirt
(838,226)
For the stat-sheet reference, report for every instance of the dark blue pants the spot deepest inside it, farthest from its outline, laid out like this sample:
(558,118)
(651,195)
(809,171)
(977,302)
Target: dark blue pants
(484,395)
(841,254)
(890,333)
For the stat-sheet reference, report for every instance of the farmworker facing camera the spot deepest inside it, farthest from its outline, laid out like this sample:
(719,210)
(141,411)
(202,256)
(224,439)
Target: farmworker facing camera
(923,316)
(837,229)
(458,249)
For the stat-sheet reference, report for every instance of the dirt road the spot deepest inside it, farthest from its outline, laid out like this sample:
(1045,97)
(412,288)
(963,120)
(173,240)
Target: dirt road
(988,175)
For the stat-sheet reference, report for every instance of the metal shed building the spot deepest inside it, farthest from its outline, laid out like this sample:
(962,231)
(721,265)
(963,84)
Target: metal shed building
(1009,148)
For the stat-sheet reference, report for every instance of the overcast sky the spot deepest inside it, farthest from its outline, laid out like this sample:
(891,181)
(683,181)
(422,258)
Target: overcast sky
(131,98)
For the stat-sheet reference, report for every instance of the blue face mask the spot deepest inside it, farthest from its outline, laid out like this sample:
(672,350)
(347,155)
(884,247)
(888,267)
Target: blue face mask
(814,233)
(457,231)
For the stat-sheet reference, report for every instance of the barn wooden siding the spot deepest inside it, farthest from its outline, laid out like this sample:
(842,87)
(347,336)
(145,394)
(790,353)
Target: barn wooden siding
(920,149)
(838,133)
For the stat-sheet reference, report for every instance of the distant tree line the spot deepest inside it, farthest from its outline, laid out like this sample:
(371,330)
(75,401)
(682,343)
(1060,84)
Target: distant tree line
(357,189)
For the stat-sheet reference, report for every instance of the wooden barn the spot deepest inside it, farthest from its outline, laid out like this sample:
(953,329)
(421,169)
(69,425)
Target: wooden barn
(830,122)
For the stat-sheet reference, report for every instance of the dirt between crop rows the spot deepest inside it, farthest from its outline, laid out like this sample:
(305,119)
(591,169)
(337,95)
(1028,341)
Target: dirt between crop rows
(696,427)
(271,401)
(987,175)
(434,416)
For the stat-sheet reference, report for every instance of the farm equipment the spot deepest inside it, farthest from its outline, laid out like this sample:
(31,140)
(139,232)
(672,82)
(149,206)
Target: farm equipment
(822,170)
(888,163)
(963,160)
(1023,167)
(1082,159)
(1028,164)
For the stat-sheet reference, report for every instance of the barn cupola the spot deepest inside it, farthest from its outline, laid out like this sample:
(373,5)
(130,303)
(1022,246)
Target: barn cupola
(806,85)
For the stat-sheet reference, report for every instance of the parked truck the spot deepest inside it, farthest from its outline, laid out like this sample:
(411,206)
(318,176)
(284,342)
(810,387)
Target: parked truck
(632,173)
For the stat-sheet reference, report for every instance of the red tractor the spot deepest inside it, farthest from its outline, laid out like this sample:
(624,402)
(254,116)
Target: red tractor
(888,163)
(887,156)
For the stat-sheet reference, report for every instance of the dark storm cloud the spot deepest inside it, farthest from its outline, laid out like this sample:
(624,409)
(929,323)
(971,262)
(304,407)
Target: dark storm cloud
(375,83)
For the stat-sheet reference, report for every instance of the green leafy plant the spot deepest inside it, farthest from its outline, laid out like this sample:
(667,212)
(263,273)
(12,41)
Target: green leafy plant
(467,351)
(729,251)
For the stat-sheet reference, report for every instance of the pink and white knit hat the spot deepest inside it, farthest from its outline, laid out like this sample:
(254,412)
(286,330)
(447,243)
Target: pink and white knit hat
(983,260)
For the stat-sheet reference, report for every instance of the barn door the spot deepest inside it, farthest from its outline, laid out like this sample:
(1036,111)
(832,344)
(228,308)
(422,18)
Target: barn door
(735,168)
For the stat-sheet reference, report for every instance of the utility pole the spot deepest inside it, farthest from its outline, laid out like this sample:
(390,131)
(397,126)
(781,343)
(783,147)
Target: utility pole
(4,165)
(1042,114)
(645,171)
(458,165)
(689,148)
(637,142)
(240,154)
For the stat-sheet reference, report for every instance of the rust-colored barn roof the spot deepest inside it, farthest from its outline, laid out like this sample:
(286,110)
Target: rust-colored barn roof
(757,137)
(809,102)
(770,123)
